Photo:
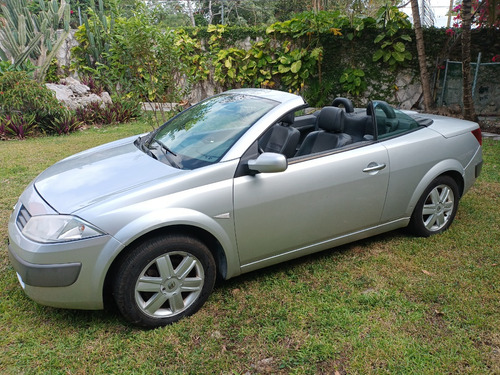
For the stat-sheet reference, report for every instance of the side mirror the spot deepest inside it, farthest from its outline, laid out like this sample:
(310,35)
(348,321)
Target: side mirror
(268,162)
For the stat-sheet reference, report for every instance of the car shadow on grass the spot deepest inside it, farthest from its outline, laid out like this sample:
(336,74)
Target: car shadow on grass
(110,319)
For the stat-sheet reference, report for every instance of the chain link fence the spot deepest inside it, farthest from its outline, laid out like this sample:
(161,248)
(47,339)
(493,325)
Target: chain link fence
(485,89)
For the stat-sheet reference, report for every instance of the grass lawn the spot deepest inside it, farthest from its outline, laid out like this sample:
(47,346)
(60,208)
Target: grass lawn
(391,304)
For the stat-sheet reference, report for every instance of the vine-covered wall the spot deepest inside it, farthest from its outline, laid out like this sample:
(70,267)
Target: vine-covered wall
(319,55)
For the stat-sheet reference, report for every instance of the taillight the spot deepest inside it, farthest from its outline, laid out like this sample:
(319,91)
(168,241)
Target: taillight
(478,135)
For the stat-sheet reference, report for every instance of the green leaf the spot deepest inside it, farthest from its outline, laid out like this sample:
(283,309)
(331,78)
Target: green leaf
(398,56)
(265,73)
(211,28)
(285,60)
(316,53)
(387,55)
(406,37)
(386,44)
(399,47)
(296,66)
(378,55)
(270,29)
(379,38)
(283,69)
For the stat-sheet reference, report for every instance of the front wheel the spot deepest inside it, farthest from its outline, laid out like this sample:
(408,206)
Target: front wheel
(436,209)
(163,280)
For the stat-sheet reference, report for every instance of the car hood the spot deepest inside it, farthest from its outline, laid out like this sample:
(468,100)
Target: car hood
(96,174)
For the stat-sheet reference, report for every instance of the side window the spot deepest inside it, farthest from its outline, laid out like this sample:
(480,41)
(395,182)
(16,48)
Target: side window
(390,121)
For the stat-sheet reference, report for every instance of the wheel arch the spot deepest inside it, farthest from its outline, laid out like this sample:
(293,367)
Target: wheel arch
(459,179)
(207,238)
(451,168)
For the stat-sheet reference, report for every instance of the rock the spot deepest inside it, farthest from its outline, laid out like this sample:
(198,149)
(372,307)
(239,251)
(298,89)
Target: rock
(74,94)
(83,101)
(79,89)
(63,92)
(70,81)
(106,98)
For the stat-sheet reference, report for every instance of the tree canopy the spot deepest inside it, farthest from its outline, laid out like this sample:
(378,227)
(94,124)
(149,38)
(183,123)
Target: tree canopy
(253,12)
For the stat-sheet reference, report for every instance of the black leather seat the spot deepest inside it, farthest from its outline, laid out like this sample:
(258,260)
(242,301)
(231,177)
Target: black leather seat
(330,134)
(280,139)
(359,127)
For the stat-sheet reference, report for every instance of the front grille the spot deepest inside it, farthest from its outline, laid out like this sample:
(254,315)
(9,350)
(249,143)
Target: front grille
(22,218)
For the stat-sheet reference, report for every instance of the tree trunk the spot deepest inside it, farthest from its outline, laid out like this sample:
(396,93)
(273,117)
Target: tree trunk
(210,13)
(450,10)
(424,74)
(468,101)
(190,11)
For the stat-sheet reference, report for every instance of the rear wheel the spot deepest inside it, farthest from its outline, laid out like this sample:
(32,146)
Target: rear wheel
(437,207)
(163,280)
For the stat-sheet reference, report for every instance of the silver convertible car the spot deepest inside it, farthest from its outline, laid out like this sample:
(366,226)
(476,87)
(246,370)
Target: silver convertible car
(240,181)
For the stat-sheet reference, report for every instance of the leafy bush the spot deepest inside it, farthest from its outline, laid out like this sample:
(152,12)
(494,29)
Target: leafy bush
(93,84)
(353,81)
(126,109)
(65,124)
(28,107)
(56,72)
(90,114)
(96,113)
(27,66)
(16,125)
(21,95)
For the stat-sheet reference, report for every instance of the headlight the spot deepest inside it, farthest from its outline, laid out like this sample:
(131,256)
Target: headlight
(58,228)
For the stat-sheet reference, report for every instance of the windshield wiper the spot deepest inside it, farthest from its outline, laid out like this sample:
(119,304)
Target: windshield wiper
(144,148)
(166,151)
(163,146)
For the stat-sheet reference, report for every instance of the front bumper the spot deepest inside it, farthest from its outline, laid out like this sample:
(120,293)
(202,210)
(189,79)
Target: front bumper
(67,274)
(46,275)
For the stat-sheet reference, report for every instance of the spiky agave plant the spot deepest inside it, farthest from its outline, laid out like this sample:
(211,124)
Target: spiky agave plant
(26,35)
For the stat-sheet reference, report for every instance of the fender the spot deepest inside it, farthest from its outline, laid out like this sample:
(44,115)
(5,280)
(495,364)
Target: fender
(448,165)
(221,228)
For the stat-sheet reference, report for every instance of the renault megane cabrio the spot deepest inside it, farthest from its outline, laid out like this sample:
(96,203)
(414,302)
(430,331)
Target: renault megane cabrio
(242,180)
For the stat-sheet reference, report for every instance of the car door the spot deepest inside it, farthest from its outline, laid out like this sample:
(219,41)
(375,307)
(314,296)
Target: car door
(283,215)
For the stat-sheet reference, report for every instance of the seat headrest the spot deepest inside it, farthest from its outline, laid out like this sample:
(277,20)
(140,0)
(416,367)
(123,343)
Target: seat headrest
(331,119)
(289,118)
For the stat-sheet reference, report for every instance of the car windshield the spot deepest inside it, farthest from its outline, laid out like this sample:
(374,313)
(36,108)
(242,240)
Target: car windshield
(202,134)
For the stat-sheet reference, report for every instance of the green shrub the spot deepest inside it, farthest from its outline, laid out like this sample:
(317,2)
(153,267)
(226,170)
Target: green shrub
(121,110)
(20,95)
(65,124)
(16,125)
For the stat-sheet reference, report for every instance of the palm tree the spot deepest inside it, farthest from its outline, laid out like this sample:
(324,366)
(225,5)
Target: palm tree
(469,111)
(424,74)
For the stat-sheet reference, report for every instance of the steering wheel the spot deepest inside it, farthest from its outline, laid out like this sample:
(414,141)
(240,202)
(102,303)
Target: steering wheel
(349,108)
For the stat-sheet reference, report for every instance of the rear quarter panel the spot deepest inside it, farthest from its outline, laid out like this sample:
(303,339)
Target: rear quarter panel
(418,158)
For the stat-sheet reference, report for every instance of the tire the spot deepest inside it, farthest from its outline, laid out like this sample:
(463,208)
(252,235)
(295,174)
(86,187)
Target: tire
(163,280)
(436,208)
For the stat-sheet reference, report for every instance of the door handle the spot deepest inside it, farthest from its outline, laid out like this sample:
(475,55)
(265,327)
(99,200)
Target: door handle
(374,167)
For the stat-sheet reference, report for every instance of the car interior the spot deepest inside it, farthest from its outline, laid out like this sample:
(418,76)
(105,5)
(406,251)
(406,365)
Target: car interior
(334,127)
